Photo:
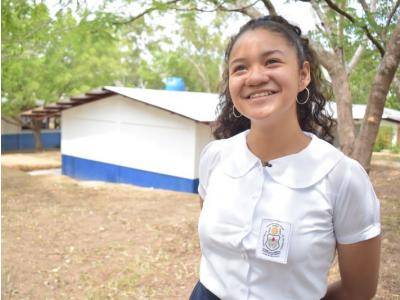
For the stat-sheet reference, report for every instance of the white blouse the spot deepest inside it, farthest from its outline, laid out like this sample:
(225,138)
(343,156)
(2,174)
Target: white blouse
(271,232)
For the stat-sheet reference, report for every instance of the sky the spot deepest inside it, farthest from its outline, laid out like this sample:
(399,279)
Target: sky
(300,13)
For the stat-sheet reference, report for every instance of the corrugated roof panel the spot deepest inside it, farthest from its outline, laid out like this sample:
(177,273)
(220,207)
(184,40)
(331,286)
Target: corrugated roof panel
(391,114)
(197,106)
(359,112)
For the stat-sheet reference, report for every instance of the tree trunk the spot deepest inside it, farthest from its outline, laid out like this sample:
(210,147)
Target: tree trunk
(344,104)
(36,129)
(376,100)
(342,93)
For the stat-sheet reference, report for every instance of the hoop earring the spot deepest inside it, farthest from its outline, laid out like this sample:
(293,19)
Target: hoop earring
(233,112)
(308,97)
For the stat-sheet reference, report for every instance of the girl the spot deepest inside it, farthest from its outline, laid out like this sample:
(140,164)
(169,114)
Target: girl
(278,198)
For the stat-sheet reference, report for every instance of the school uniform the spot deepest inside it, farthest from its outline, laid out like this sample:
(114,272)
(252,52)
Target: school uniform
(271,232)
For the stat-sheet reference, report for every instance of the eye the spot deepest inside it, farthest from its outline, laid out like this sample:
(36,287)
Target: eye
(238,69)
(272,61)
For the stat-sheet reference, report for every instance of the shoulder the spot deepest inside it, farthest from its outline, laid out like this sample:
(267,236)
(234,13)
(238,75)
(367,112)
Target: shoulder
(349,175)
(217,148)
(212,154)
(351,165)
(211,151)
(356,182)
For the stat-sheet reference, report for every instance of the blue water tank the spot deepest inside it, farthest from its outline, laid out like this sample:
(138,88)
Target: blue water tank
(174,84)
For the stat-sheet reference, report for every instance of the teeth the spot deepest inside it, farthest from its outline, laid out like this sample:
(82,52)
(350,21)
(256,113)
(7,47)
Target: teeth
(261,94)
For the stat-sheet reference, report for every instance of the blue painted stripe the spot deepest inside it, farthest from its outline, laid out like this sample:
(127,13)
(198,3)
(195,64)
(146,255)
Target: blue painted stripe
(26,141)
(94,170)
(9,142)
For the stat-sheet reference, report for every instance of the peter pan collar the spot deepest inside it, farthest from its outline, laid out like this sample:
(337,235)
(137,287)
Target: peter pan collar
(299,170)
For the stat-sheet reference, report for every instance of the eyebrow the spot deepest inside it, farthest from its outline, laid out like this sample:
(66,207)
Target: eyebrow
(264,54)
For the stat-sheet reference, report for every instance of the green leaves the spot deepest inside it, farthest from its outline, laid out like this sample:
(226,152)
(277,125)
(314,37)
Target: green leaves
(45,59)
(195,55)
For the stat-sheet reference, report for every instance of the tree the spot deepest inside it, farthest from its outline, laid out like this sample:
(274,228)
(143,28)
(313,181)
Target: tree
(382,35)
(45,58)
(20,57)
(340,27)
(24,31)
(197,57)
(350,45)
(377,97)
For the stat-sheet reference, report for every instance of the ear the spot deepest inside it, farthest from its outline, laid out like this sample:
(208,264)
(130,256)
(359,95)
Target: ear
(305,76)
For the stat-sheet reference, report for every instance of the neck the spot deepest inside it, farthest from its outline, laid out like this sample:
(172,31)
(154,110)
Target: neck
(271,142)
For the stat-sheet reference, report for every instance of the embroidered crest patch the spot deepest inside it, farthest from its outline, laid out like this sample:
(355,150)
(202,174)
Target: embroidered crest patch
(274,240)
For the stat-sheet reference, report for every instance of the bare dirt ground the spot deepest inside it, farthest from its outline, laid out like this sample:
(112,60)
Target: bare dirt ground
(32,161)
(65,239)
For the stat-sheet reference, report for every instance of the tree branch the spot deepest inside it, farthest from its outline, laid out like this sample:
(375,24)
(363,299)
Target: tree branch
(246,10)
(322,17)
(202,75)
(390,17)
(360,49)
(251,11)
(143,13)
(364,5)
(339,10)
(325,58)
(352,20)
(270,7)
(340,29)
(355,59)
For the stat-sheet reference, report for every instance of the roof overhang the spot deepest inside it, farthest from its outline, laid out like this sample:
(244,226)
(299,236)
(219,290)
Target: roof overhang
(54,110)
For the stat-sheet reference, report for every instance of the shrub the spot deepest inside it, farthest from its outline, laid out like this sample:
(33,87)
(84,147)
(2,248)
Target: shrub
(384,139)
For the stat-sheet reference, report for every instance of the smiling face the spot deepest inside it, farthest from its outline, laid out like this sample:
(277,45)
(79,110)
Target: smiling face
(264,76)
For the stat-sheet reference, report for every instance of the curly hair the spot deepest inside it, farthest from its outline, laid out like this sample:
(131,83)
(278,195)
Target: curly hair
(311,116)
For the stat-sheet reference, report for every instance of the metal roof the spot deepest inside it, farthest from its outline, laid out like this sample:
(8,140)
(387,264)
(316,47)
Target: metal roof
(200,107)
(359,112)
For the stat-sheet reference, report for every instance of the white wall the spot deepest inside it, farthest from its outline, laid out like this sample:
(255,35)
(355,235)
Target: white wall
(7,128)
(125,132)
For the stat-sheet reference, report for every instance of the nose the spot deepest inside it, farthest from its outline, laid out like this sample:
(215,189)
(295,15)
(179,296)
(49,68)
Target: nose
(257,76)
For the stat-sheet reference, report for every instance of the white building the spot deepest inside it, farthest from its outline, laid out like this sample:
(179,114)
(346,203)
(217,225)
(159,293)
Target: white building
(8,126)
(150,138)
